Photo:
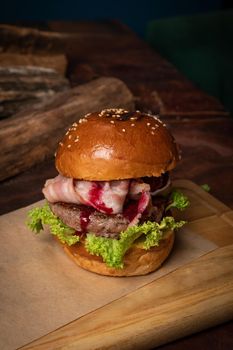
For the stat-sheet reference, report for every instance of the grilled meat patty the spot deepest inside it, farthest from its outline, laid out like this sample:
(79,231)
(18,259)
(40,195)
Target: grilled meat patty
(86,219)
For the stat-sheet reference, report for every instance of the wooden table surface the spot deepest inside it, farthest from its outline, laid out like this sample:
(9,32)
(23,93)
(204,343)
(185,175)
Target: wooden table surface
(199,123)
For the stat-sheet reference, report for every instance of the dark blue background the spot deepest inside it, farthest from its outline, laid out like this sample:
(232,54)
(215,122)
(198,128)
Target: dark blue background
(135,14)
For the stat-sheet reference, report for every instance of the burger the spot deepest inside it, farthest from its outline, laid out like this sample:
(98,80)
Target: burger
(110,204)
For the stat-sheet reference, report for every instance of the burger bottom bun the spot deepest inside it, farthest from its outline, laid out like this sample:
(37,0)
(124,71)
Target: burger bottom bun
(137,261)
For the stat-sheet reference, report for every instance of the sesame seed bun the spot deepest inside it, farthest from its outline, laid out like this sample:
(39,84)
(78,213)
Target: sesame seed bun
(116,144)
(137,261)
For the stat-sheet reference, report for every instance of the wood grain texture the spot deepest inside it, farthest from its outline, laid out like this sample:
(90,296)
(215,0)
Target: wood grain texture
(28,86)
(26,40)
(57,62)
(111,49)
(30,137)
(187,300)
(207,154)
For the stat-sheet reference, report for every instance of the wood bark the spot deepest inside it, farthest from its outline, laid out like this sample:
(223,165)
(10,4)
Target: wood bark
(55,61)
(24,86)
(27,40)
(110,49)
(29,137)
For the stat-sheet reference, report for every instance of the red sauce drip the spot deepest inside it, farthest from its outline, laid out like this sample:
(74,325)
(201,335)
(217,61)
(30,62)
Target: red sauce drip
(84,220)
(95,195)
(131,210)
(142,202)
(133,207)
(79,233)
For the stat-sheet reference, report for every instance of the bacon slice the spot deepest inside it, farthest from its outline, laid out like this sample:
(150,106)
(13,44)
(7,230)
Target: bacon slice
(61,189)
(105,196)
(137,187)
(114,194)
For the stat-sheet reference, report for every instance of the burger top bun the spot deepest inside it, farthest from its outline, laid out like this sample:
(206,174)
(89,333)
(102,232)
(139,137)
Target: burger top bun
(116,144)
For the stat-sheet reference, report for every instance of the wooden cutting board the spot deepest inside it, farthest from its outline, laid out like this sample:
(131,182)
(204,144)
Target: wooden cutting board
(194,297)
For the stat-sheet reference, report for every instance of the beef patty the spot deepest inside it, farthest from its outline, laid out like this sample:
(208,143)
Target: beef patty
(86,219)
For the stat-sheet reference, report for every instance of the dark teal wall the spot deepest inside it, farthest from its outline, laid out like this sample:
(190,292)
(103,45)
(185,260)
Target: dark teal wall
(134,13)
(201,47)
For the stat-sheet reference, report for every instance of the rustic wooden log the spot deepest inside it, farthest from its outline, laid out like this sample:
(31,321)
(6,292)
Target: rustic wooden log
(27,40)
(25,86)
(111,49)
(100,49)
(55,61)
(28,138)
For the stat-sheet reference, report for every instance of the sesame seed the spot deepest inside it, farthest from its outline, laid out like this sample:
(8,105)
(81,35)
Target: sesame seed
(156,118)
(164,124)
(152,133)
(82,120)
(112,121)
(112,112)
(55,154)
(69,137)
(148,124)
(68,146)
(123,130)
(132,124)
(67,132)
(75,124)
(60,143)
(153,128)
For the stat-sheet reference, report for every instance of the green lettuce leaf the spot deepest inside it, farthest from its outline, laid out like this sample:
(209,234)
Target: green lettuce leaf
(38,217)
(178,200)
(156,234)
(113,250)
(205,187)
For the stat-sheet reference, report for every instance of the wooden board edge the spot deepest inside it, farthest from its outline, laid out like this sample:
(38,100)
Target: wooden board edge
(204,305)
(205,196)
